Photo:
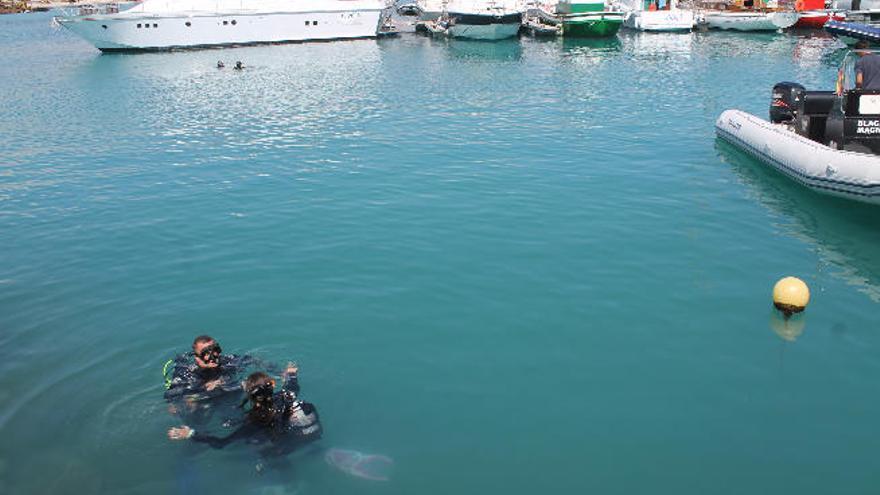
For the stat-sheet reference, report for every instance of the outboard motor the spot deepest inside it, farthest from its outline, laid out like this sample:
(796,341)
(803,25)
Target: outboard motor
(786,100)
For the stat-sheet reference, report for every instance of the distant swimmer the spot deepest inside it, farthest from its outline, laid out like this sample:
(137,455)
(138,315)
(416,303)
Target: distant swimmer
(239,65)
(277,418)
(220,64)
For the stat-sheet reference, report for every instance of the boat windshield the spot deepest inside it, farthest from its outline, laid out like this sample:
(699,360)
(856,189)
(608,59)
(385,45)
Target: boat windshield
(846,75)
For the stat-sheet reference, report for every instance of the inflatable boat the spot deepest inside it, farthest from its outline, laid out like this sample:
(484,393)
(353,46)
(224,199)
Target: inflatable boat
(828,141)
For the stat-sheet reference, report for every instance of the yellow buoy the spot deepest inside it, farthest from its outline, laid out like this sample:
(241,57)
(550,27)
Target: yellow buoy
(791,295)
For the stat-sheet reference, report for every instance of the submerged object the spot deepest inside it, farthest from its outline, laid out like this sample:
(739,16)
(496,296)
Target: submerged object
(828,141)
(372,467)
(787,327)
(791,295)
(163,25)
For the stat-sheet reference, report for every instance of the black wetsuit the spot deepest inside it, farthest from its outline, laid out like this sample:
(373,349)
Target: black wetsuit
(186,378)
(291,423)
(185,386)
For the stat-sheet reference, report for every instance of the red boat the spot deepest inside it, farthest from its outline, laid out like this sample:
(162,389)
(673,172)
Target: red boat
(814,15)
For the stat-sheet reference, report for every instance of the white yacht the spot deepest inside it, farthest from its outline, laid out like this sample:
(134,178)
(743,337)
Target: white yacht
(666,18)
(168,24)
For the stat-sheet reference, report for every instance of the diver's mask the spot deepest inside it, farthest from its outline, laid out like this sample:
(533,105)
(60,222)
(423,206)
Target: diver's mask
(263,393)
(211,354)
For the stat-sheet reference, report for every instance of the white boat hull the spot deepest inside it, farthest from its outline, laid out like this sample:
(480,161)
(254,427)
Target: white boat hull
(484,31)
(660,20)
(115,32)
(751,21)
(846,174)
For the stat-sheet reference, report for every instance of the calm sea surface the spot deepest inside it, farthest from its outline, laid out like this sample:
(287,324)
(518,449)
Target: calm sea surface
(521,267)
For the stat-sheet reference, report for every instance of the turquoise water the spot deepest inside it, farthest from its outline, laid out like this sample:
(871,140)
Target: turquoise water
(512,267)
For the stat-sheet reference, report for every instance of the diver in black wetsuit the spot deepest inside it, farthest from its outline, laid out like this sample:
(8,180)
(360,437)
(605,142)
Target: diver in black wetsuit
(279,419)
(194,379)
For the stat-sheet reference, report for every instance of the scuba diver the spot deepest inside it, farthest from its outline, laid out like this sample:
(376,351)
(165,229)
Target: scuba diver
(196,380)
(220,64)
(279,419)
(238,65)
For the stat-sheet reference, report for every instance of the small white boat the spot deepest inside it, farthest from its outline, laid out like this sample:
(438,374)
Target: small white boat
(168,24)
(483,19)
(665,19)
(848,174)
(828,141)
(750,20)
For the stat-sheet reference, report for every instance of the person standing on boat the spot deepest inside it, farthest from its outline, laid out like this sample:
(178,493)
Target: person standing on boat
(867,67)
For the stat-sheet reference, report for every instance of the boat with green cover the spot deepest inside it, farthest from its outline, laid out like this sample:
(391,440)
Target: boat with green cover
(588,18)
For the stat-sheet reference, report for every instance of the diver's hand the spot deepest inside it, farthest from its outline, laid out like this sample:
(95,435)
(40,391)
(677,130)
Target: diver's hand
(209,386)
(180,433)
(292,369)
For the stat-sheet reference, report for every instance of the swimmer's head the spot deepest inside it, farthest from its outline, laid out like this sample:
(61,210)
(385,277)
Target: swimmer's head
(207,352)
(259,387)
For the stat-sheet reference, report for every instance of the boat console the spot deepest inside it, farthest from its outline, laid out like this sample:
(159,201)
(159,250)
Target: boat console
(847,118)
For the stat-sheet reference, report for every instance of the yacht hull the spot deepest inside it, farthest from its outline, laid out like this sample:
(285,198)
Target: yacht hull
(119,32)
(484,27)
(591,25)
(660,20)
(751,21)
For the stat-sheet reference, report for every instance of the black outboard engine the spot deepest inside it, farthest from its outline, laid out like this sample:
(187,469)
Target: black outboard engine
(786,100)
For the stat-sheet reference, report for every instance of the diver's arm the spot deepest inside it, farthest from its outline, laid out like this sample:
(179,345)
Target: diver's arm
(185,432)
(291,382)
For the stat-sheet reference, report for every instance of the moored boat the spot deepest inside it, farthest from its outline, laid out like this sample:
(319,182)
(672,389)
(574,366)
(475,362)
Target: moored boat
(814,14)
(165,24)
(828,141)
(649,15)
(483,19)
(588,18)
(851,32)
(816,19)
(750,20)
